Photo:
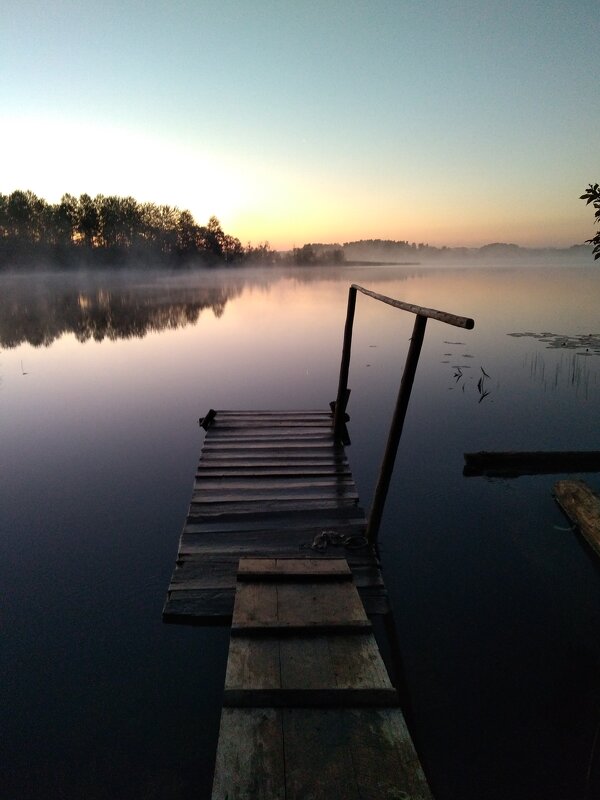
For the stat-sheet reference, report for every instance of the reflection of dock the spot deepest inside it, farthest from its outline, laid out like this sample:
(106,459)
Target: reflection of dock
(309,708)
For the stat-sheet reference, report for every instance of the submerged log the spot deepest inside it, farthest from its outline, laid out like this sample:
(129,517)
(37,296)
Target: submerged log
(582,507)
(512,464)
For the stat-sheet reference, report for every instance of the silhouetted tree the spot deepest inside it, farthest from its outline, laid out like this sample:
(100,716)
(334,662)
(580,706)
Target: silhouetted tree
(88,221)
(212,237)
(65,220)
(592,195)
(109,228)
(187,234)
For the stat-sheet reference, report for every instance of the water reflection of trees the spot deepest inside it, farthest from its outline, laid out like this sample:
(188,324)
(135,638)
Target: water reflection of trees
(39,308)
(42,311)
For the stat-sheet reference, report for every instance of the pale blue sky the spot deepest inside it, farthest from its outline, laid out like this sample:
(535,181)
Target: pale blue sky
(447,122)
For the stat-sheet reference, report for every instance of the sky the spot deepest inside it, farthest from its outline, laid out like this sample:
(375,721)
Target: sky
(451,123)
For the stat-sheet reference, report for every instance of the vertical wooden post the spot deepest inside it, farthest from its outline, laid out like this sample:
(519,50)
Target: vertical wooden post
(342,393)
(387,465)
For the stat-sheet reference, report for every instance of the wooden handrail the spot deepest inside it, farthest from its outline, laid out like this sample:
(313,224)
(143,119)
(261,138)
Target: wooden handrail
(431,313)
(422,314)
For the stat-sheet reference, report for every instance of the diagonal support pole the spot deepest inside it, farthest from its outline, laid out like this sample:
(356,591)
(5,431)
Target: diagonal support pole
(387,465)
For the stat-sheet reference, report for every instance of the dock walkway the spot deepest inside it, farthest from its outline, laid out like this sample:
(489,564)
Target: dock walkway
(267,484)
(274,544)
(309,709)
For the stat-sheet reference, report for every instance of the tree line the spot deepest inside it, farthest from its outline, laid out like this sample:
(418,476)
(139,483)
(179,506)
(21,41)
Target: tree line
(116,231)
(107,229)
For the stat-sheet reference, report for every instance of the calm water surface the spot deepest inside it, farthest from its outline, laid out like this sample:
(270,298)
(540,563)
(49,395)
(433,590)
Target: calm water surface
(497,603)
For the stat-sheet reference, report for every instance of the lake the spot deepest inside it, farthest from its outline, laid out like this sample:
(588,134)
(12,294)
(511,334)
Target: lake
(496,602)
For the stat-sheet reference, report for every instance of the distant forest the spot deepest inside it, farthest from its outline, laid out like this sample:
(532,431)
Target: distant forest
(111,231)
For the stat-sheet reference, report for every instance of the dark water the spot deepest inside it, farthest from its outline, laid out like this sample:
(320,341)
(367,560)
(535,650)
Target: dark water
(497,605)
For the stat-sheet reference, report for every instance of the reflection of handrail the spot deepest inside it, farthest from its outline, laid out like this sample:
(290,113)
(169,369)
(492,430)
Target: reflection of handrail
(422,314)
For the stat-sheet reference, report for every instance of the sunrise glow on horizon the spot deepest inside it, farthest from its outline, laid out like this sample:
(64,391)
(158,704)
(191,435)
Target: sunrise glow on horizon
(321,122)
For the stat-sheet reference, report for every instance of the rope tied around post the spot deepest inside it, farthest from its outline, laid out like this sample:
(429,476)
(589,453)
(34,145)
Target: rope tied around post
(332,538)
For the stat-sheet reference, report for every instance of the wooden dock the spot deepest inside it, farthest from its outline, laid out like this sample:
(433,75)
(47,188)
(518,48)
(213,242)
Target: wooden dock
(269,483)
(309,709)
(274,544)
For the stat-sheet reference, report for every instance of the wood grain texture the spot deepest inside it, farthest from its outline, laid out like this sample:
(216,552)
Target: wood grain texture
(285,607)
(250,757)
(318,761)
(310,698)
(582,506)
(294,569)
(336,661)
(215,606)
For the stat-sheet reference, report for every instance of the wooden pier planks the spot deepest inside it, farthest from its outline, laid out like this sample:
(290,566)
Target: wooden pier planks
(313,714)
(267,483)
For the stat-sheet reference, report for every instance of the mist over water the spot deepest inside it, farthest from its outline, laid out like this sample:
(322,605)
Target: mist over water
(102,379)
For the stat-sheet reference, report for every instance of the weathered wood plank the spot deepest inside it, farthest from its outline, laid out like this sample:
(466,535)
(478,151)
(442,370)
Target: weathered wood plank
(282,483)
(210,571)
(317,445)
(338,519)
(208,495)
(323,461)
(310,698)
(348,754)
(264,569)
(255,605)
(386,763)
(318,762)
(293,539)
(319,453)
(316,412)
(282,428)
(285,511)
(206,511)
(338,661)
(357,663)
(422,311)
(215,606)
(273,473)
(269,432)
(319,604)
(253,664)
(306,662)
(306,607)
(199,607)
(582,506)
(277,445)
(250,758)
(357,560)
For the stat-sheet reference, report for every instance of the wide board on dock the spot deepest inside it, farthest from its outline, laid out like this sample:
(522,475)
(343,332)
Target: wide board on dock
(309,711)
(268,483)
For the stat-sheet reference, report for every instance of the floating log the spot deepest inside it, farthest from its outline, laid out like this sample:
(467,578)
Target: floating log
(511,464)
(582,507)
